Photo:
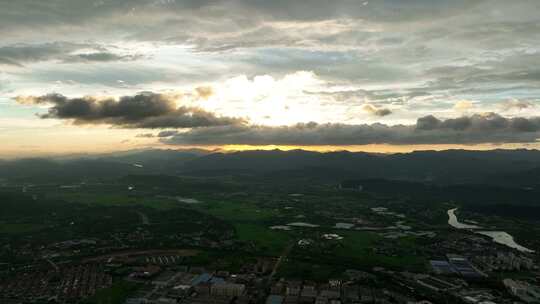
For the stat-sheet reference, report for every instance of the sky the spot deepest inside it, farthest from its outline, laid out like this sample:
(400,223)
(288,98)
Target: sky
(88,76)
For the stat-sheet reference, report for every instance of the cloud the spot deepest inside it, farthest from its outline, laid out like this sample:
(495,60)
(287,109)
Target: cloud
(24,53)
(373,110)
(463,106)
(480,123)
(167,133)
(101,57)
(8,61)
(80,12)
(145,135)
(475,129)
(414,55)
(144,110)
(217,25)
(204,92)
(514,104)
(66,52)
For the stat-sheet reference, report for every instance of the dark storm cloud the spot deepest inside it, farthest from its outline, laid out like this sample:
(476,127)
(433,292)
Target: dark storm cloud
(144,110)
(476,129)
(20,54)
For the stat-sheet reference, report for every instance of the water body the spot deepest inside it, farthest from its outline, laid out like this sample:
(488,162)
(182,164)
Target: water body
(280,227)
(500,237)
(453,221)
(302,224)
(186,200)
(343,226)
(504,238)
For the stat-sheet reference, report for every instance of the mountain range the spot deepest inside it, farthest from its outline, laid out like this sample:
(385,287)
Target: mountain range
(504,167)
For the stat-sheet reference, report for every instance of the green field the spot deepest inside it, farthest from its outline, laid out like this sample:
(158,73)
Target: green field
(355,251)
(20,228)
(116,294)
(236,211)
(294,269)
(358,249)
(267,241)
(114,199)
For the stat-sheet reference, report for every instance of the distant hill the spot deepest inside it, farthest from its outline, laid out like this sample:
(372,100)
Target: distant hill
(44,170)
(498,167)
(451,166)
(104,166)
(526,178)
(169,161)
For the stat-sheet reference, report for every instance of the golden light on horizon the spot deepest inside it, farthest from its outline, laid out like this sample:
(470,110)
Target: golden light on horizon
(376,148)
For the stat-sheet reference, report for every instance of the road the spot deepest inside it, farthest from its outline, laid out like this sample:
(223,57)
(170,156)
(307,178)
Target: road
(144,218)
(280,260)
(53,264)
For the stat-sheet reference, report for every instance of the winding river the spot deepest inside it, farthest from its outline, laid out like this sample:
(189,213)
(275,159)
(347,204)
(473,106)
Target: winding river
(500,237)
(453,221)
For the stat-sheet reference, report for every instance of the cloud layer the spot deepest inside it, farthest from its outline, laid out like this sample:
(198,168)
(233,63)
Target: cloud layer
(23,53)
(381,71)
(475,129)
(144,110)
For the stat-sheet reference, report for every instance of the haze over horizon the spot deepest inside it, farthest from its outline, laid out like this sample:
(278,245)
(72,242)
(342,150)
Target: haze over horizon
(377,76)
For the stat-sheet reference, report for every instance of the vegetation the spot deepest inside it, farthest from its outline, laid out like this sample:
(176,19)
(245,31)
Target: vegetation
(235,212)
(117,293)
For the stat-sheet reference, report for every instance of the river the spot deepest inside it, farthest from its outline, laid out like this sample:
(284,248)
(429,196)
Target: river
(500,237)
(453,221)
(505,238)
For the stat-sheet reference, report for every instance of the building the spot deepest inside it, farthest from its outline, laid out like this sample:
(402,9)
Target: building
(227,289)
(274,299)
(464,267)
(523,290)
(293,288)
(165,279)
